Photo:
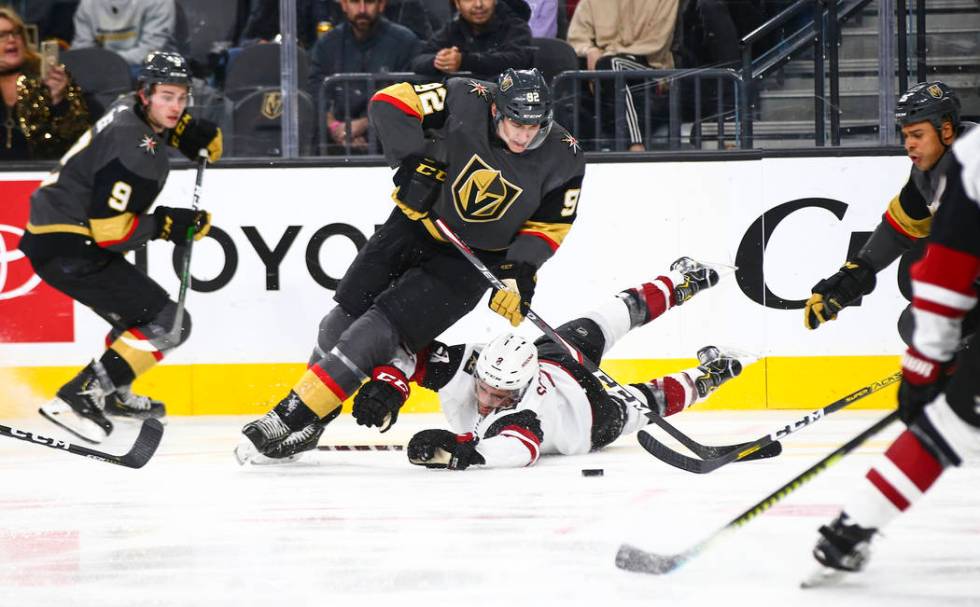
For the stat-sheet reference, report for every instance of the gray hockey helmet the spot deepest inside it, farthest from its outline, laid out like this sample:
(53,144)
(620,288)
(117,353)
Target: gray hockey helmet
(525,97)
(932,101)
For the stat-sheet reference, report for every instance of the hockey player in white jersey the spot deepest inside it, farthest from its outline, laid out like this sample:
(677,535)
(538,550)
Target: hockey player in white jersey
(510,401)
(939,398)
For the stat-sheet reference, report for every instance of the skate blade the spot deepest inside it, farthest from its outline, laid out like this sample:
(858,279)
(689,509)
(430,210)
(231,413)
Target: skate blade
(744,356)
(246,454)
(61,414)
(823,576)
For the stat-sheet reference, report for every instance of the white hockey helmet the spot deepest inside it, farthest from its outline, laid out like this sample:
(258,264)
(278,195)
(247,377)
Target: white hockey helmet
(506,364)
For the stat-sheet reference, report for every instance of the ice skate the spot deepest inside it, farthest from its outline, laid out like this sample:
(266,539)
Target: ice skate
(125,403)
(78,406)
(697,278)
(843,547)
(717,366)
(270,437)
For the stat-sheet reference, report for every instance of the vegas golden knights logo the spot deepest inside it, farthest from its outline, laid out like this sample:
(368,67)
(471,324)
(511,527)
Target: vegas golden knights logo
(935,91)
(481,193)
(272,105)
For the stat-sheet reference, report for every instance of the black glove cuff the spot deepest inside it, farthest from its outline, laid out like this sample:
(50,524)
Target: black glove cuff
(419,180)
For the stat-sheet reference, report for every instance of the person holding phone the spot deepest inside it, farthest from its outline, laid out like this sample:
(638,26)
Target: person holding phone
(43,112)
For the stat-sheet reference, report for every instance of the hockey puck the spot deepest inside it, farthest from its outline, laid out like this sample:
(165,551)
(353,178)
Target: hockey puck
(592,472)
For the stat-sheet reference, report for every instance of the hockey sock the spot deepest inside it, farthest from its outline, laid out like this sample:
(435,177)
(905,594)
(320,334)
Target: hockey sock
(673,393)
(633,308)
(651,299)
(899,479)
(130,355)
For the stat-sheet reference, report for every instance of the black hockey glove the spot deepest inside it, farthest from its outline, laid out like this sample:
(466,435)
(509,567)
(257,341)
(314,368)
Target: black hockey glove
(513,302)
(173,224)
(922,381)
(191,135)
(419,182)
(831,295)
(443,449)
(378,401)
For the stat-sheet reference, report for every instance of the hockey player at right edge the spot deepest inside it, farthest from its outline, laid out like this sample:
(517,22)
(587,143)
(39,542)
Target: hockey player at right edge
(510,401)
(940,391)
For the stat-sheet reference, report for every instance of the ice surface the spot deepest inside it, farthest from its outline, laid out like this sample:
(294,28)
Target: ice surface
(367,528)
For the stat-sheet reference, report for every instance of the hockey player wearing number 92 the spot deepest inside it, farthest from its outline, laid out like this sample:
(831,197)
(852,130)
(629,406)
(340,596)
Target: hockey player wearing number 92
(488,160)
(90,211)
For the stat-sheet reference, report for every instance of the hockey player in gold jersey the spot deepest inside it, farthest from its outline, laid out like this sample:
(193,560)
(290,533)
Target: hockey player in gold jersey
(90,211)
(489,160)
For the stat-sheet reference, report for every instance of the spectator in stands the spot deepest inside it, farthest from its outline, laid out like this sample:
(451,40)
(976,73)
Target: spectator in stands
(130,28)
(54,19)
(626,35)
(544,18)
(486,38)
(41,119)
(263,21)
(366,42)
(314,18)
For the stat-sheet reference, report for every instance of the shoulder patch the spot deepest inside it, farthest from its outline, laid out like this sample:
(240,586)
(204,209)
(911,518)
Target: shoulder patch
(480,89)
(470,366)
(572,143)
(149,145)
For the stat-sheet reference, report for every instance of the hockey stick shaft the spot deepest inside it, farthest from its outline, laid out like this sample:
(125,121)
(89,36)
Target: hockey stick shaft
(185,266)
(634,559)
(747,450)
(142,450)
(611,384)
(360,447)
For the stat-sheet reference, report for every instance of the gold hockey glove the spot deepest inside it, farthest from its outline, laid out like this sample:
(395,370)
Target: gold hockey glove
(191,135)
(831,295)
(512,303)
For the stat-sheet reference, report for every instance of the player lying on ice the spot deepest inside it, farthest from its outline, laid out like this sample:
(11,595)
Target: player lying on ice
(510,401)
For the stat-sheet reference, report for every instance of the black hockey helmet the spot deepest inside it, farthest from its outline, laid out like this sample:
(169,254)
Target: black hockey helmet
(932,101)
(524,97)
(162,67)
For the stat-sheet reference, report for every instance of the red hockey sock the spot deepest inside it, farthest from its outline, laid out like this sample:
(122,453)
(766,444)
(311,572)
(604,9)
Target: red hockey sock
(658,296)
(896,482)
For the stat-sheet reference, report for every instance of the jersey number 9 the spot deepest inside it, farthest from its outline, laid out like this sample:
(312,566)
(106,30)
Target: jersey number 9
(121,191)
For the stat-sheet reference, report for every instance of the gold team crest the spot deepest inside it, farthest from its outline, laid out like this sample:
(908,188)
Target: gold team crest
(935,91)
(481,193)
(272,105)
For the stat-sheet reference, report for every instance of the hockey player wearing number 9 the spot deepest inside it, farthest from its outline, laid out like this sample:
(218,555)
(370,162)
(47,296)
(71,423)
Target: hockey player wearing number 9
(510,401)
(486,158)
(90,211)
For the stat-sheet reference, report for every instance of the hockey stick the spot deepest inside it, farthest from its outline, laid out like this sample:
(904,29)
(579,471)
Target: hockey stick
(611,384)
(185,266)
(704,466)
(142,450)
(631,558)
(360,447)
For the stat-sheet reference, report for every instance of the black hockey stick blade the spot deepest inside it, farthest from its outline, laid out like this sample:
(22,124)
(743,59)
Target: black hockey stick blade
(139,454)
(752,450)
(151,433)
(632,558)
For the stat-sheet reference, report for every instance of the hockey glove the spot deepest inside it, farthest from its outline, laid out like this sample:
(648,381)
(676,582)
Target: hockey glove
(831,295)
(175,222)
(443,449)
(419,182)
(191,135)
(922,381)
(378,401)
(513,302)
